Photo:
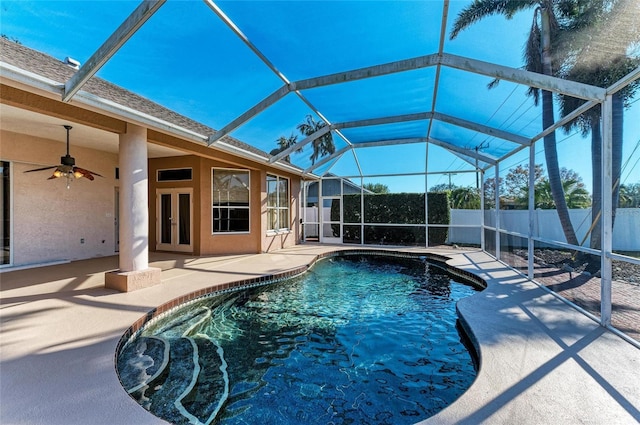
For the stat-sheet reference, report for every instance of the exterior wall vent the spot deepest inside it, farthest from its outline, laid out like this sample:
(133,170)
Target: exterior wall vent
(72,63)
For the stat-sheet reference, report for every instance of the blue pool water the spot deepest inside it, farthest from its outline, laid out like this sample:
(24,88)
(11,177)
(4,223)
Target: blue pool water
(355,340)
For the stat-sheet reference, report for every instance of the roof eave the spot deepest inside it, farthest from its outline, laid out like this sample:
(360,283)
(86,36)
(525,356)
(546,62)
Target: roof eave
(35,81)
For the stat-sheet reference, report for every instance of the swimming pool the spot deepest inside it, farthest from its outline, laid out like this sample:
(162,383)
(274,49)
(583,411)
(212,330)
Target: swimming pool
(357,339)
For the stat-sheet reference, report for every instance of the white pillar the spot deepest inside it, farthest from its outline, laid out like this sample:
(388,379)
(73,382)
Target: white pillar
(134,200)
(426,196)
(532,210)
(497,201)
(606,227)
(134,270)
(482,220)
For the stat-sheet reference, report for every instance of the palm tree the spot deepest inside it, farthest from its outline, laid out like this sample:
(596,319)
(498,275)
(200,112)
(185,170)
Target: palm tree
(465,198)
(376,188)
(539,57)
(542,197)
(630,196)
(575,193)
(323,145)
(598,67)
(285,143)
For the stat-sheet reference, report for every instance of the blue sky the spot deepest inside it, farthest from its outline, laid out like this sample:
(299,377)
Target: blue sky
(186,59)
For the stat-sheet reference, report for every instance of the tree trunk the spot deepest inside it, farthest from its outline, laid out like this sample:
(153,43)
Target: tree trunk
(616,172)
(550,150)
(616,142)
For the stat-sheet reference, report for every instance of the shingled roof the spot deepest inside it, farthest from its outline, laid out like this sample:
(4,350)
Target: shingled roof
(49,67)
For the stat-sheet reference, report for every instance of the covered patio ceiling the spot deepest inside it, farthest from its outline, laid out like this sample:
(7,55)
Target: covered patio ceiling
(379,74)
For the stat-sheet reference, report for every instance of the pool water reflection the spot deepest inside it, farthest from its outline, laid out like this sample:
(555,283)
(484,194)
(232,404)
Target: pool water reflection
(357,339)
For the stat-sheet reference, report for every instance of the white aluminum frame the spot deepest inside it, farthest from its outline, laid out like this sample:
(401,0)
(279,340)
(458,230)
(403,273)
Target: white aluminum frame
(593,95)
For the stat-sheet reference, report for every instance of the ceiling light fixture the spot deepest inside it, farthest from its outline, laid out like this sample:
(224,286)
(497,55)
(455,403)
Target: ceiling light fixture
(67,167)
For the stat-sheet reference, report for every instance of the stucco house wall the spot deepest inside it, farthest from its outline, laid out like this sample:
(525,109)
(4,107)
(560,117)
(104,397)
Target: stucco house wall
(205,242)
(272,241)
(53,223)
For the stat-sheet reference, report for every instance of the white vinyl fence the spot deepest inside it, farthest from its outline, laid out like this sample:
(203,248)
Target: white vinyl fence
(626,232)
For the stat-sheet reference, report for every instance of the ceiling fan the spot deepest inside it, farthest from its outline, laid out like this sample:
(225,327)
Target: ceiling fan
(67,167)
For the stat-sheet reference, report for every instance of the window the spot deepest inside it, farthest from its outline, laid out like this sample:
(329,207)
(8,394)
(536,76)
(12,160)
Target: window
(230,201)
(277,203)
(175,174)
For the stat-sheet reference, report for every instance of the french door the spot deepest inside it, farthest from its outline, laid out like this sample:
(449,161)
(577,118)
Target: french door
(175,215)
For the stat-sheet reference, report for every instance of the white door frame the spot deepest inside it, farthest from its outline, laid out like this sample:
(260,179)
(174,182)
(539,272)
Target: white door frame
(174,244)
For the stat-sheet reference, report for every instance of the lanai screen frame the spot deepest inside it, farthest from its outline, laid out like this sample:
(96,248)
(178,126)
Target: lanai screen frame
(484,161)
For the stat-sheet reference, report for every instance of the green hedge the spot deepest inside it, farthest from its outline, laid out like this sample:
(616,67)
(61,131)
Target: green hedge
(396,208)
(439,213)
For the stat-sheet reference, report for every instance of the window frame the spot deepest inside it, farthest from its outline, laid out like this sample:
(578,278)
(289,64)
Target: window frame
(278,208)
(228,208)
(159,170)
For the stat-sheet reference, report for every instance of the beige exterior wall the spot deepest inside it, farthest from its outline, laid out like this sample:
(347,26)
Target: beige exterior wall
(205,242)
(273,241)
(49,221)
(52,223)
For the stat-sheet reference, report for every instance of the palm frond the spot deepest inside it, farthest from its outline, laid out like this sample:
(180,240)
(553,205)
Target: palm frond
(481,9)
(493,84)
(532,50)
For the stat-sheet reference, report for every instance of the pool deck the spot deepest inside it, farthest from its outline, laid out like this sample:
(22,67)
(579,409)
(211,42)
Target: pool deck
(542,362)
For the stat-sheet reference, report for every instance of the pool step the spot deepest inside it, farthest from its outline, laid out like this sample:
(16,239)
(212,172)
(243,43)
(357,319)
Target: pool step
(189,322)
(211,385)
(177,380)
(183,380)
(142,362)
(180,378)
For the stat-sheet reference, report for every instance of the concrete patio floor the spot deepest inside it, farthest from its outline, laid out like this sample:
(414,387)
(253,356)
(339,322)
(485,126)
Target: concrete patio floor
(541,362)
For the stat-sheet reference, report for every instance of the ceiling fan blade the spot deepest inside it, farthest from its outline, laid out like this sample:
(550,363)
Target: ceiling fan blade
(59,172)
(41,169)
(85,173)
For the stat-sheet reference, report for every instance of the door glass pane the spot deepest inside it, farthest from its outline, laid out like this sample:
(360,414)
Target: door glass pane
(165,218)
(5,197)
(184,229)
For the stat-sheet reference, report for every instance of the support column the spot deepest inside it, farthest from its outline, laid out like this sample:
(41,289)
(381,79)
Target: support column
(426,196)
(532,210)
(606,230)
(482,220)
(497,201)
(134,272)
